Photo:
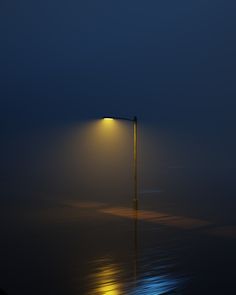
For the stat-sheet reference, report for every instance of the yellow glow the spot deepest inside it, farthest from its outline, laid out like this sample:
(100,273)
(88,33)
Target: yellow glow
(99,153)
(106,281)
(108,119)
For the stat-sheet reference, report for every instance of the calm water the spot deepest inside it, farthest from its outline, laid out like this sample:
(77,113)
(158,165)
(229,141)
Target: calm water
(92,248)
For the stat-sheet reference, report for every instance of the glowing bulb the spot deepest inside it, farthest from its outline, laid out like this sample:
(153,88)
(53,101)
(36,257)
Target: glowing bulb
(108,119)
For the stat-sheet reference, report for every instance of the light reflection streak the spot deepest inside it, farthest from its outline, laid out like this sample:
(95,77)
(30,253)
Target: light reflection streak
(106,280)
(157,285)
(71,211)
(111,279)
(157,217)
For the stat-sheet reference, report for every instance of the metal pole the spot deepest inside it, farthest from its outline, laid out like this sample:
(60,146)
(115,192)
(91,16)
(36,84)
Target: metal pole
(135,200)
(135,245)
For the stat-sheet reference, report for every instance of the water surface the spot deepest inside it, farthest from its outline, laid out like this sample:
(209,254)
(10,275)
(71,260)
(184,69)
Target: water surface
(92,248)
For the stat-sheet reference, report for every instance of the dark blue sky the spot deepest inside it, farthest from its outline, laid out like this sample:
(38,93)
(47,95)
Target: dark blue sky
(171,63)
(79,59)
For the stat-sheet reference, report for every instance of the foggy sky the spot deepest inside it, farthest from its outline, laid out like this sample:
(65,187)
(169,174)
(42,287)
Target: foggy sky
(171,63)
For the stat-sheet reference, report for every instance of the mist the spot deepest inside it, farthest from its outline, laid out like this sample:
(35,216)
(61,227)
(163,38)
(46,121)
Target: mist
(93,160)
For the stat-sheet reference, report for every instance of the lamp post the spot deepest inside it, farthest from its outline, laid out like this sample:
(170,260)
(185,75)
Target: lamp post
(135,147)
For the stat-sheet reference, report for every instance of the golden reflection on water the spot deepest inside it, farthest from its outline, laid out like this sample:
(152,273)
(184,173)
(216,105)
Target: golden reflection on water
(115,279)
(106,280)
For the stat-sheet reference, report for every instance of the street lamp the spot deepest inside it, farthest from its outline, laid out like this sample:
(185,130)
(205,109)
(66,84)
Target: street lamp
(135,126)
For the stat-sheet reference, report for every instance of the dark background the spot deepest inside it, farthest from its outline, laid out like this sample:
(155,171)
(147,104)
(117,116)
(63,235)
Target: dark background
(66,63)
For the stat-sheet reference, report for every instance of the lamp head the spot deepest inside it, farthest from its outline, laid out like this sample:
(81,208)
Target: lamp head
(108,118)
(120,118)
